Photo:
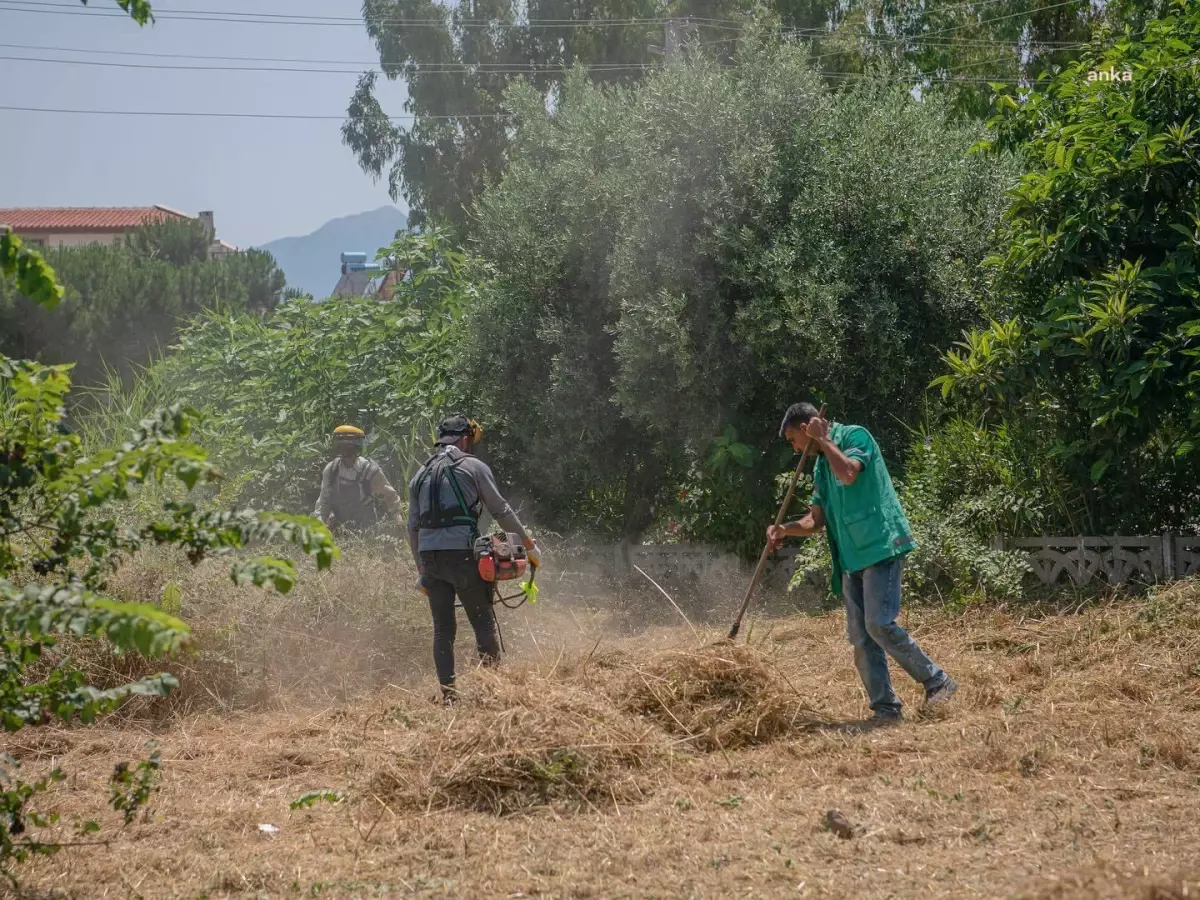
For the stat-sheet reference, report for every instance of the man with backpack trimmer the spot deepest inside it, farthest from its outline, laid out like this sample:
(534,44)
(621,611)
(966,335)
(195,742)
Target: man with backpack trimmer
(446,498)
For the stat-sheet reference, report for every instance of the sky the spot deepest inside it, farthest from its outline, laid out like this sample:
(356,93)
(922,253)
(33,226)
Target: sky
(262,178)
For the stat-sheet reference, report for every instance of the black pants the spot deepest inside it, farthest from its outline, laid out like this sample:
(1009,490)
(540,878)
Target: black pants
(444,574)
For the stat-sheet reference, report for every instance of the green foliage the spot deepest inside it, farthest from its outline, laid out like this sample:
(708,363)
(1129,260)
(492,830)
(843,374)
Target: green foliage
(717,498)
(309,800)
(15,817)
(952,563)
(130,787)
(459,65)
(139,10)
(1093,352)
(272,390)
(123,303)
(61,535)
(990,480)
(33,277)
(457,68)
(698,252)
(952,49)
(176,241)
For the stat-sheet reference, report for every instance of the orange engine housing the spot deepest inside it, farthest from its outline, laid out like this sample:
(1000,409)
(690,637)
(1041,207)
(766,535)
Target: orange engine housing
(500,558)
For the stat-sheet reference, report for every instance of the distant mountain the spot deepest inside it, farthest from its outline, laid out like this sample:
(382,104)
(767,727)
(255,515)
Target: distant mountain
(313,263)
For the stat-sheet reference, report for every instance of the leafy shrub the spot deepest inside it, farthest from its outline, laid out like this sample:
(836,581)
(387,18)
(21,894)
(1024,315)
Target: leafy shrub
(271,390)
(124,303)
(60,538)
(1092,354)
(700,250)
(963,488)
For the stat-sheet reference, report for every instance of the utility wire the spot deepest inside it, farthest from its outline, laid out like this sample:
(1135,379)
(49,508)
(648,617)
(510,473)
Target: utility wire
(927,34)
(228,115)
(32,6)
(495,115)
(358,19)
(432,68)
(948,77)
(373,62)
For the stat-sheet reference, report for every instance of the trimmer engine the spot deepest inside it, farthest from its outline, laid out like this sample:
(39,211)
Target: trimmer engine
(500,557)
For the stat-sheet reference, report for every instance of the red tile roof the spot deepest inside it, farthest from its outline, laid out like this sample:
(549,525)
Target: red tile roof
(96,218)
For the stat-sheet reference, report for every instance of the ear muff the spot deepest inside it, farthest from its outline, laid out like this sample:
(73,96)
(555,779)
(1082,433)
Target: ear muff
(476,431)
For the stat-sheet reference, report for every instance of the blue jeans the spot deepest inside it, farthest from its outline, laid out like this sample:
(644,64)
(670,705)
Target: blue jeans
(872,604)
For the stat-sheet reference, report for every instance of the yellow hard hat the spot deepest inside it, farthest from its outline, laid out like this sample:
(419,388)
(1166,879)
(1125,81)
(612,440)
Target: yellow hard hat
(349,431)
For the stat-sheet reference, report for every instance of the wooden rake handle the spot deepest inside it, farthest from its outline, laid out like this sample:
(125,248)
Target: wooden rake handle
(766,551)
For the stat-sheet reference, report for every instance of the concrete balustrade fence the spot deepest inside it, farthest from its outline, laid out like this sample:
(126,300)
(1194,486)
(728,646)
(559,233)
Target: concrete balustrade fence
(1063,561)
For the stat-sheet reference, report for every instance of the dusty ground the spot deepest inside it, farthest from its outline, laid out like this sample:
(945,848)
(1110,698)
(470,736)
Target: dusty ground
(1069,767)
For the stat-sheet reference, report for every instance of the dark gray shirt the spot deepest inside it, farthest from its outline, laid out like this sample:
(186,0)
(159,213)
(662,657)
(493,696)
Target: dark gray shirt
(477,483)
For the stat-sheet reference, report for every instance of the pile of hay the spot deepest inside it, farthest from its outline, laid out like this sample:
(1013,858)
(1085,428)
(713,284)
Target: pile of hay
(724,696)
(519,742)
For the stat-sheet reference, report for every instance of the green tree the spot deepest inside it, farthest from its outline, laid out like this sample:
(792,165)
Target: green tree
(1092,356)
(124,303)
(699,251)
(176,241)
(457,63)
(272,390)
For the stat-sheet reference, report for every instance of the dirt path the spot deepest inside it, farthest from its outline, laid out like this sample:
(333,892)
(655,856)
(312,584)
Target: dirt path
(1069,767)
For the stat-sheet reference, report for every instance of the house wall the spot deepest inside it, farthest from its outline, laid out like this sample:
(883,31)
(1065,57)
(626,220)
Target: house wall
(72,239)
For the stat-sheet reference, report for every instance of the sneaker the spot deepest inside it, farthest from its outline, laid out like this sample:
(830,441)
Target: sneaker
(885,719)
(942,692)
(449,696)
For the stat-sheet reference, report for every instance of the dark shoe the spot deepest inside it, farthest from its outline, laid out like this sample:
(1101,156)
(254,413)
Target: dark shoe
(883,719)
(449,696)
(941,693)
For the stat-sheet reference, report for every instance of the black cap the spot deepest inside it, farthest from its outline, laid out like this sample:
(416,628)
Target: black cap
(453,428)
(798,414)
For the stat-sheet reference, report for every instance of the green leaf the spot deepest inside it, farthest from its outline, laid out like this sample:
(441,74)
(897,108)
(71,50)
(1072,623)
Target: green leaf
(172,598)
(307,801)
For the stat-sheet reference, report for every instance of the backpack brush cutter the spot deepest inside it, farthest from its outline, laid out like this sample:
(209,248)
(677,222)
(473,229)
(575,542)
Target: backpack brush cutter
(502,557)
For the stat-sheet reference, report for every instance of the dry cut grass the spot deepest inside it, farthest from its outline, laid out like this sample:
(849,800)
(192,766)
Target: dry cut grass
(653,767)
(528,741)
(724,696)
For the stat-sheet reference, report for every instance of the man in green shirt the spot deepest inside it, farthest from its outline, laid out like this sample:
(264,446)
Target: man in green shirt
(869,536)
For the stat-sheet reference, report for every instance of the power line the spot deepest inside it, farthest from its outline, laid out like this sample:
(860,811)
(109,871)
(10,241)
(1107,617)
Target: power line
(929,34)
(358,19)
(148,55)
(495,115)
(35,6)
(432,68)
(229,115)
(913,38)
(373,62)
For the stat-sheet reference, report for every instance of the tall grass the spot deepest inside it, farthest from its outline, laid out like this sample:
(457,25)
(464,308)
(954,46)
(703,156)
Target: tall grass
(110,409)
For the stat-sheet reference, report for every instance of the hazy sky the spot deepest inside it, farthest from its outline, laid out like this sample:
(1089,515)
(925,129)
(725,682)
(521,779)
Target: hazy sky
(263,178)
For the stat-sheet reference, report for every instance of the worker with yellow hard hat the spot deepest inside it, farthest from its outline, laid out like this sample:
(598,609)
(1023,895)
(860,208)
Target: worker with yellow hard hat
(353,487)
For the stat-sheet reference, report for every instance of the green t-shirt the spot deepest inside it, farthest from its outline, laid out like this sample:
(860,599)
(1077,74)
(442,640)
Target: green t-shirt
(863,521)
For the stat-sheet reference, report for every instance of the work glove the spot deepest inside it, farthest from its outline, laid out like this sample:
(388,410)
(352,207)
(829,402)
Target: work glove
(532,554)
(421,585)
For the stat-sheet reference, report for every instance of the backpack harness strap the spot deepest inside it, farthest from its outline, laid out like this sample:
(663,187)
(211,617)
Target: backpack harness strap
(438,469)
